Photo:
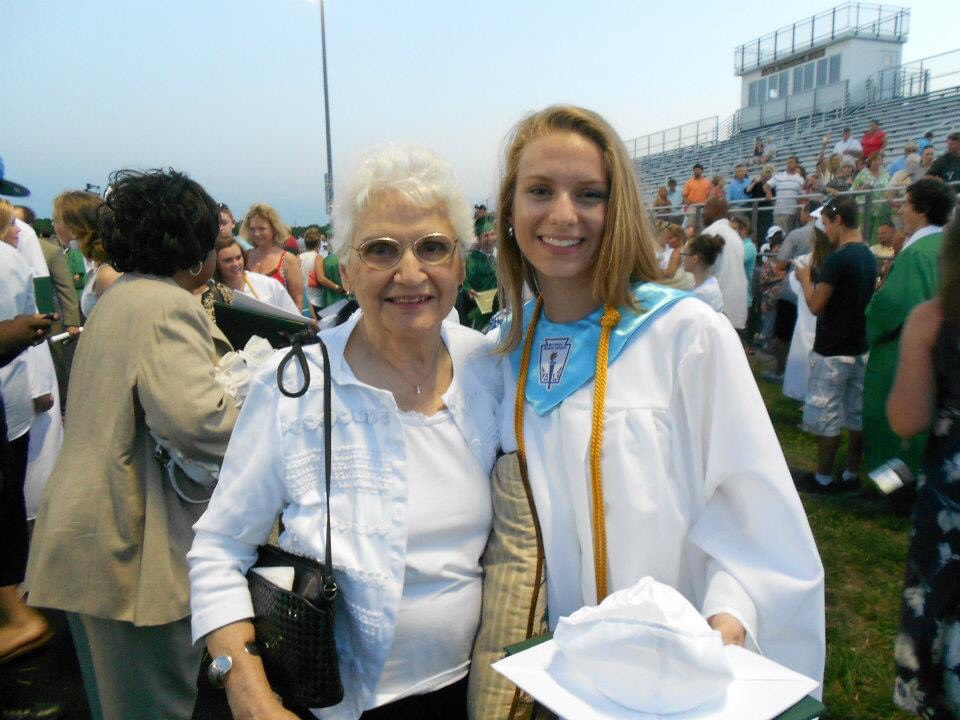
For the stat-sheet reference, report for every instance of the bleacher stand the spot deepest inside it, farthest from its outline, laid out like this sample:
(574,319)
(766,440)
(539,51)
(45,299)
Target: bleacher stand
(903,119)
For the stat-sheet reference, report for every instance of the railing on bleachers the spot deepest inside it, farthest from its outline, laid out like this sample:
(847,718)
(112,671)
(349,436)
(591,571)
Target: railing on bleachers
(858,19)
(692,134)
(902,118)
(918,77)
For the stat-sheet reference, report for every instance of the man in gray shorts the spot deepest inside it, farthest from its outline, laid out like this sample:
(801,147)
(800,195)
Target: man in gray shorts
(834,398)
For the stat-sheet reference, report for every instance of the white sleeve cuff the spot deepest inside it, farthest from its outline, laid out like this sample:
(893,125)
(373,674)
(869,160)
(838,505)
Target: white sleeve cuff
(725,594)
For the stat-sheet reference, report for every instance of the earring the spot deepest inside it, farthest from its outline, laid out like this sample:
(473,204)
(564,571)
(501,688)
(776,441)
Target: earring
(510,232)
(199,269)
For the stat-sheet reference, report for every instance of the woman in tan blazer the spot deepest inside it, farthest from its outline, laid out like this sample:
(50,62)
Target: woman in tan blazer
(114,527)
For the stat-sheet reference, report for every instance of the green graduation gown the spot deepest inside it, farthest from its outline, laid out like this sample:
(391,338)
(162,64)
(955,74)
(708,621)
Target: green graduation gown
(913,279)
(480,275)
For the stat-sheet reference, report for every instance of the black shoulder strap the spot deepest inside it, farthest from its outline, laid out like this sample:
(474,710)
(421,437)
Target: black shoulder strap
(330,586)
(296,352)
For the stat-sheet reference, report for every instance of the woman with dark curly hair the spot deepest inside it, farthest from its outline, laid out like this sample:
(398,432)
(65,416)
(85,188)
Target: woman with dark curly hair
(145,409)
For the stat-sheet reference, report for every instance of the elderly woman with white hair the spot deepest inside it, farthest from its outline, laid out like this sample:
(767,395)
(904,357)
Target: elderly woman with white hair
(413,444)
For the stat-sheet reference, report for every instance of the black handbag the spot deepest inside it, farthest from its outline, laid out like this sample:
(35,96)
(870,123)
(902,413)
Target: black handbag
(294,629)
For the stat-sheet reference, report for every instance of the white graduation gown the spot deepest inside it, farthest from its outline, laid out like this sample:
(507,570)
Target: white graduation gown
(46,432)
(728,269)
(270,291)
(797,370)
(696,490)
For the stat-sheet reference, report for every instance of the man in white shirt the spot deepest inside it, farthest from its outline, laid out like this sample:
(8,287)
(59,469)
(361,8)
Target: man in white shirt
(789,185)
(848,146)
(728,268)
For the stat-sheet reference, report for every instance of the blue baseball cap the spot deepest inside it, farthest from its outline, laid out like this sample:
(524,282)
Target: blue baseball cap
(8,187)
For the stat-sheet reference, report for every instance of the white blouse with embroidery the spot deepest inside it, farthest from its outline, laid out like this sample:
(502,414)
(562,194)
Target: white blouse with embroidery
(274,465)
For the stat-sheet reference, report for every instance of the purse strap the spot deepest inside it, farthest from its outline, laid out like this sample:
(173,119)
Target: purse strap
(330,585)
(296,353)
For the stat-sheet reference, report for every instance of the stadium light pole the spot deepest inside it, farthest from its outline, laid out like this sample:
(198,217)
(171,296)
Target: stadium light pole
(328,178)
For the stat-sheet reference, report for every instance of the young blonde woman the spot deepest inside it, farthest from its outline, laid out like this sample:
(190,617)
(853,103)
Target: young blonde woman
(646,446)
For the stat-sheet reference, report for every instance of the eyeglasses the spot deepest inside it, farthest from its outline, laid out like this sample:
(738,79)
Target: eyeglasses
(384,252)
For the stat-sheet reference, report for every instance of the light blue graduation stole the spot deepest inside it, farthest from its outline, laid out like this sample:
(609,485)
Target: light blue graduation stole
(563,355)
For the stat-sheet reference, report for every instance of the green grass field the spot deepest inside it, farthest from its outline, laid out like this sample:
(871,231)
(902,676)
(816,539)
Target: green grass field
(863,546)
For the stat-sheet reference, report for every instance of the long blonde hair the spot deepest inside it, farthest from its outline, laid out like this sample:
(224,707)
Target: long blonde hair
(628,250)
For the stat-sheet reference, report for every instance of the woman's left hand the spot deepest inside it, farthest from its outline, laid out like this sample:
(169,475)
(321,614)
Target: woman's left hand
(730,629)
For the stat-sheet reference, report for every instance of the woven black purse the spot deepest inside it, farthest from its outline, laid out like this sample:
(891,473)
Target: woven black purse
(294,629)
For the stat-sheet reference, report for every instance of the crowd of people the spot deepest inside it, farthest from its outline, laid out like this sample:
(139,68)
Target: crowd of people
(531,410)
(848,165)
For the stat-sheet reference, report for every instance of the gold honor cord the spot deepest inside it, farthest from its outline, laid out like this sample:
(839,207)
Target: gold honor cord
(609,320)
(246,283)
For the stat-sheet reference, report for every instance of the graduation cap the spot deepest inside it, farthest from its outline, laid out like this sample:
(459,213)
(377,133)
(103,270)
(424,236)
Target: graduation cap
(7,187)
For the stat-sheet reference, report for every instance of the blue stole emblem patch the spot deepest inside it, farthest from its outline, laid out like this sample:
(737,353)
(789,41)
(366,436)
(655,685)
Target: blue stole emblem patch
(563,355)
(553,359)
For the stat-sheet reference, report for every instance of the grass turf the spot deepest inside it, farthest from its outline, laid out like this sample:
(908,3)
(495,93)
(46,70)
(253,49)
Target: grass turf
(863,546)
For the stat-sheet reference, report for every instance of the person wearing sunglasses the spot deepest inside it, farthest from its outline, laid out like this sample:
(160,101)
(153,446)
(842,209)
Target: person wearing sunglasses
(414,441)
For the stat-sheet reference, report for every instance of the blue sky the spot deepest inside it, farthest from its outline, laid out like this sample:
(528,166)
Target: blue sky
(231,90)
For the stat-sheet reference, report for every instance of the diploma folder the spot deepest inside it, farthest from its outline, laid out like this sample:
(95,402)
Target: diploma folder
(761,690)
(45,295)
(240,324)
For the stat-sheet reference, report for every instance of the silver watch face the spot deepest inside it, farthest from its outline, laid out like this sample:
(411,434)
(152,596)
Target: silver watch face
(219,667)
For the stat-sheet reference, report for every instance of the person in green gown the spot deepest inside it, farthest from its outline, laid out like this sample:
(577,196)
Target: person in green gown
(75,264)
(329,280)
(913,279)
(481,275)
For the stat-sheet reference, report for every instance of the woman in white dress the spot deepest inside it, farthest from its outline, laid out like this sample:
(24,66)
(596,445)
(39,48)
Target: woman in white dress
(797,370)
(647,447)
(699,256)
(230,271)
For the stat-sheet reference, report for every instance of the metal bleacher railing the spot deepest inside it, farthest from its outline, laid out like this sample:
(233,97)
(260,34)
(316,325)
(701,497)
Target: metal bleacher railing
(853,19)
(905,115)
(699,133)
(919,77)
